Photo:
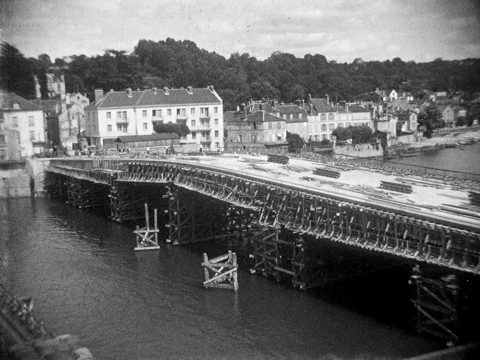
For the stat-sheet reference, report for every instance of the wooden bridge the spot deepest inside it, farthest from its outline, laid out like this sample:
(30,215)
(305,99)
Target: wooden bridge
(422,221)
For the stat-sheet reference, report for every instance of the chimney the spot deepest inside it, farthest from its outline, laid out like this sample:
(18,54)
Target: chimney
(303,104)
(328,98)
(189,89)
(238,108)
(154,91)
(165,90)
(129,92)
(211,88)
(98,94)
(346,107)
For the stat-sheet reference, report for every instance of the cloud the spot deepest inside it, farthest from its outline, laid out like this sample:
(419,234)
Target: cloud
(341,29)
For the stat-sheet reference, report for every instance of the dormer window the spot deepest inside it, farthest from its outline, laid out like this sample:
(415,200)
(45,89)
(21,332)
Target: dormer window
(16,106)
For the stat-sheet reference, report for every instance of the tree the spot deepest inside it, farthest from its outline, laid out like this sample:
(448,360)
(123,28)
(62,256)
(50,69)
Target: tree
(295,142)
(16,72)
(361,134)
(181,128)
(430,119)
(342,134)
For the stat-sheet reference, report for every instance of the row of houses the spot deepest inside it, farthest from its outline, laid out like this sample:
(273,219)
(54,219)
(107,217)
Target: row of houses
(262,125)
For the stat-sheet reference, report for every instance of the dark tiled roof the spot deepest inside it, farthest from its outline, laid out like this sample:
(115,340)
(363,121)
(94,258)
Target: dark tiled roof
(321,105)
(120,99)
(289,109)
(8,99)
(267,106)
(354,108)
(262,116)
(146,137)
(50,105)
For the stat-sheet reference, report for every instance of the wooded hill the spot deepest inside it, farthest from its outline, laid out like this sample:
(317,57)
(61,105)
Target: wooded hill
(239,78)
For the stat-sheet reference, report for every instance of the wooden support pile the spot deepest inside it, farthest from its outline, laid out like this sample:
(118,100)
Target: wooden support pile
(325,172)
(474,198)
(146,238)
(397,187)
(282,159)
(221,272)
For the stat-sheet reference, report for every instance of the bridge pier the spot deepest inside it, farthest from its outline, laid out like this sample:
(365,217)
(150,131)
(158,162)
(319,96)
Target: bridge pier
(446,304)
(125,205)
(195,217)
(84,194)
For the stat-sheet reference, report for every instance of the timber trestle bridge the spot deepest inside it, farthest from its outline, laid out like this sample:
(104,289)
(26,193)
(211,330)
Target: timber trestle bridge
(290,225)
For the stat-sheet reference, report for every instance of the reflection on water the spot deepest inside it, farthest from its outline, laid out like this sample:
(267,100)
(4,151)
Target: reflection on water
(86,280)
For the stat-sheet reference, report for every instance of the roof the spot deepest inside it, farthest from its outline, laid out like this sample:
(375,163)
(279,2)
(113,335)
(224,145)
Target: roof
(50,106)
(149,97)
(263,116)
(355,108)
(321,105)
(146,137)
(289,109)
(7,100)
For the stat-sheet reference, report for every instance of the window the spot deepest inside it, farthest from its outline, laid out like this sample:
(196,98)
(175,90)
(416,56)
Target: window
(15,122)
(109,128)
(192,111)
(169,111)
(331,126)
(193,122)
(324,127)
(279,125)
(159,113)
(154,113)
(300,115)
(254,126)
(31,121)
(216,134)
(323,116)
(254,138)
(270,125)
(291,116)
(215,122)
(145,126)
(215,110)
(240,138)
(119,115)
(178,111)
(284,116)
(217,145)
(331,116)
(194,135)
(32,135)
(144,113)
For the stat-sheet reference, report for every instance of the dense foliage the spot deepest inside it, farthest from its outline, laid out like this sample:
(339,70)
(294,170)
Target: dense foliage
(295,142)
(357,134)
(179,128)
(240,77)
(429,120)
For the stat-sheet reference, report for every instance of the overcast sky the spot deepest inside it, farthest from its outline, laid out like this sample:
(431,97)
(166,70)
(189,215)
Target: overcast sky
(419,30)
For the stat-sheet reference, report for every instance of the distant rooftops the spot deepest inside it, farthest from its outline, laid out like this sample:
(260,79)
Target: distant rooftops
(152,97)
(14,102)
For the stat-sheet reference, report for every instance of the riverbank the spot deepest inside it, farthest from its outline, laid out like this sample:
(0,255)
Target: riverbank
(24,180)
(454,138)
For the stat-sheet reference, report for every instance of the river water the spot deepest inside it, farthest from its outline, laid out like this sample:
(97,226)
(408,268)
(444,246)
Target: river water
(86,280)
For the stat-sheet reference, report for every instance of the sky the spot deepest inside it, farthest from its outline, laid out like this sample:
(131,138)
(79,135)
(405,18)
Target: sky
(341,30)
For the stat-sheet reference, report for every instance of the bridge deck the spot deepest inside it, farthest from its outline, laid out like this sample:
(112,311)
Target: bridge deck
(432,198)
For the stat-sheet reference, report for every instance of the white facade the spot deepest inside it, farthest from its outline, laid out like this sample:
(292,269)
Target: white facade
(205,121)
(30,126)
(322,125)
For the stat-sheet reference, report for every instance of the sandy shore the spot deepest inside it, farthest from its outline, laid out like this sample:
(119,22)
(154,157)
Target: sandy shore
(450,138)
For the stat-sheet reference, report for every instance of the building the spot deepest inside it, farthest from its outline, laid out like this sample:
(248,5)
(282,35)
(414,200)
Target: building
(22,126)
(121,113)
(255,131)
(324,117)
(126,142)
(448,115)
(56,86)
(295,115)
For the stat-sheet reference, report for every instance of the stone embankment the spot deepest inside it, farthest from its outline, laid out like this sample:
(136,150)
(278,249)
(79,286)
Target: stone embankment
(24,180)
